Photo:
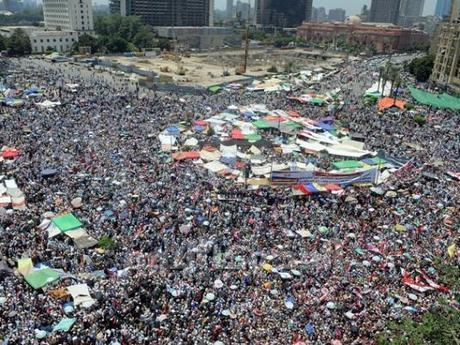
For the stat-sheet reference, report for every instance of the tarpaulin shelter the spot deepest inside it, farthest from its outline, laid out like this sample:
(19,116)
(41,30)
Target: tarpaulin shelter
(180,156)
(173,131)
(67,222)
(388,102)
(10,153)
(436,100)
(348,165)
(215,88)
(48,172)
(40,278)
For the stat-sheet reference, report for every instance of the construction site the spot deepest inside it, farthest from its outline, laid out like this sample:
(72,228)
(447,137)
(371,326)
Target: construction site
(207,69)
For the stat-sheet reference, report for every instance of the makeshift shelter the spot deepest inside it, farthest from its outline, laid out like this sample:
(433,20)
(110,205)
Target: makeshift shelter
(67,222)
(388,102)
(348,165)
(40,278)
(214,88)
(436,100)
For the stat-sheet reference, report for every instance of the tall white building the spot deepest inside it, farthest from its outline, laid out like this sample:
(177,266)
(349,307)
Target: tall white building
(73,15)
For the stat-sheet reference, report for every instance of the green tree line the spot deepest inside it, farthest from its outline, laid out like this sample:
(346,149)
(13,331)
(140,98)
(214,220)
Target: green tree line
(117,34)
(17,44)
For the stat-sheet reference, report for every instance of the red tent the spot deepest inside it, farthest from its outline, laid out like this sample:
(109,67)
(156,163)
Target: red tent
(10,153)
(180,156)
(237,134)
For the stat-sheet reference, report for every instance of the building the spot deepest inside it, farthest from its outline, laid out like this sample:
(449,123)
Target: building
(384,11)
(283,13)
(59,41)
(443,8)
(73,15)
(243,10)
(412,8)
(13,5)
(42,41)
(337,15)
(201,38)
(381,38)
(446,71)
(229,9)
(319,15)
(167,12)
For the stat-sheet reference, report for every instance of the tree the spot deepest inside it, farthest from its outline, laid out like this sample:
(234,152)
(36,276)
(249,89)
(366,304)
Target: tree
(422,68)
(2,43)
(19,43)
(117,44)
(86,40)
(144,38)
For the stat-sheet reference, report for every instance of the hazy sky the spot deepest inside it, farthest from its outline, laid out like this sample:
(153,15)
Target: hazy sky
(351,6)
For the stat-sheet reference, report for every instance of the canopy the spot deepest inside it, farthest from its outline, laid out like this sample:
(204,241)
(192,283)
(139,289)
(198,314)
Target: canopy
(388,102)
(436,100)
(41,278)
(348,164)
(67,222)
(48,172)
(215,88)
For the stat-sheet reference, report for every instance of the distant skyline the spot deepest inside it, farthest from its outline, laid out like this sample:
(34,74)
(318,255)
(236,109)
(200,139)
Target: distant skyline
(351,6)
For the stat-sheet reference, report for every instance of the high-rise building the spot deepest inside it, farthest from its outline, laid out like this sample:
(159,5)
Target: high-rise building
(337,15)
(243,10)
(283,13)
(412,8)
(446,70)
(73,15)
(384,11)
(167,12)
(229,9)
(443,8)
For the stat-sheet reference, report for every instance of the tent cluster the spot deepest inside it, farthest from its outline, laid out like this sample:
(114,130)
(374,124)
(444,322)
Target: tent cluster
(249,144)
(70,226)
(11,195)
(17,97)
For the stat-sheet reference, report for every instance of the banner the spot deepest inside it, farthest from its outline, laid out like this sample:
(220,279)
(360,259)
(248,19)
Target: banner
(343,180)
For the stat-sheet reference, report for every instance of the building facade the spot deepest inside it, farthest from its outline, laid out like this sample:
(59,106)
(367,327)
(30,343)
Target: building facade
(167,12)
(443,8)
(384,11)
(412,8)
(380,38)
(229,9)
(446,71)
(283,13)
(74,15)
(337,15)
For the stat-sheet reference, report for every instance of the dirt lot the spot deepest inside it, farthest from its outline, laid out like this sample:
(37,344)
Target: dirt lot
(208,69)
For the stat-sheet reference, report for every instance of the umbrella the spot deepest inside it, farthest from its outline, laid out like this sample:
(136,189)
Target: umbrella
(173,131)
(48,172)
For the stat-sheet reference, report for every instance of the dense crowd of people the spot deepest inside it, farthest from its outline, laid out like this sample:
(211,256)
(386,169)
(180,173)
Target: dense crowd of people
(196,256)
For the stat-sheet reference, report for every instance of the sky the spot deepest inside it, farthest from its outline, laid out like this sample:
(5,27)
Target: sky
(351,6)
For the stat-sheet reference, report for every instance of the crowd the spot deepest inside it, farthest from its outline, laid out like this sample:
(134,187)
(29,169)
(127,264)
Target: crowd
(198,257)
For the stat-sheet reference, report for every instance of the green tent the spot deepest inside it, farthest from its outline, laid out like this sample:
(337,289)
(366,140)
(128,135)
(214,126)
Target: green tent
(214,88)
(261,124)
(39,279)
(317,101)
(67,222)
(348,164)
(292,124)
(253,137)
(436,100)
(374,95)
(64,325)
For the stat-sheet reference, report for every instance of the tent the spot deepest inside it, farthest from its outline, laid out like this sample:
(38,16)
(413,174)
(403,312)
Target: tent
(67,222)
(388,102)
(40,278)
(10,153)
(436,100)
(180,156)
(348,164)
(48,172)
(214,88)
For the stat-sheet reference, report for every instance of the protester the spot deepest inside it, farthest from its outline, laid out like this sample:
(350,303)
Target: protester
(197,255)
